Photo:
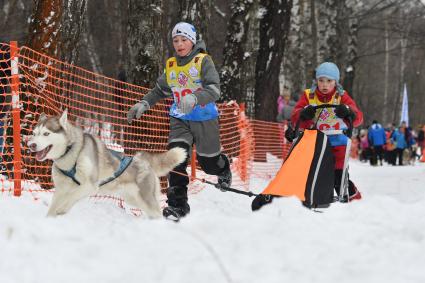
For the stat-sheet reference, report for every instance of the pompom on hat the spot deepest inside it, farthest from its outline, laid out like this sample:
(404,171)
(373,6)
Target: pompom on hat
(328,70)
(185,29)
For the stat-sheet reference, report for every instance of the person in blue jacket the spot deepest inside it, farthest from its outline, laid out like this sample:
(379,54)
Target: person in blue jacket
(377,139)
(400,140)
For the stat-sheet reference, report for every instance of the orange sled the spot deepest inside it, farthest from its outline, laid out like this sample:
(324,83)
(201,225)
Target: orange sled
(307,173)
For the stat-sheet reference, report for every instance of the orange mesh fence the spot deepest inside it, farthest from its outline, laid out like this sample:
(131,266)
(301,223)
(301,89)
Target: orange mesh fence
(41,84)
(33,83)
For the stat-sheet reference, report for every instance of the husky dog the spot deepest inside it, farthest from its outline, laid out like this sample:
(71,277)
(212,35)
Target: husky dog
(83,166)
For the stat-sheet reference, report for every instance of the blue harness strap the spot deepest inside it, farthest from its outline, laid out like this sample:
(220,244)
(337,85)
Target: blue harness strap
(71,174)
(125,161)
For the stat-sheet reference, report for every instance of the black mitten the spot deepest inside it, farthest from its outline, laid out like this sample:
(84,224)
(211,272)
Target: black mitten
(290,134)
(343,111)
(308,113)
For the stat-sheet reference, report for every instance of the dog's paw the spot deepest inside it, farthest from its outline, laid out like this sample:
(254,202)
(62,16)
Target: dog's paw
(51,214)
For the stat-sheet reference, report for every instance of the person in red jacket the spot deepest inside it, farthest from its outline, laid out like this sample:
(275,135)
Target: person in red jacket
(327,90)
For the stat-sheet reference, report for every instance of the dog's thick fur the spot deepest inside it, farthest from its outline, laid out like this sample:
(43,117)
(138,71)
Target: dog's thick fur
(57,139)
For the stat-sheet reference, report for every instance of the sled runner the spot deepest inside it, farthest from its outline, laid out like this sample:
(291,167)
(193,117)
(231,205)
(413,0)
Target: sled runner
(308,170)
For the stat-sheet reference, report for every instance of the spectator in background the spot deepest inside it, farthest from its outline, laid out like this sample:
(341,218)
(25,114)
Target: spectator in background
(421,138)
(364,146)
(283,99)
(390,153)
(285,105)
(378,139)
(399,139)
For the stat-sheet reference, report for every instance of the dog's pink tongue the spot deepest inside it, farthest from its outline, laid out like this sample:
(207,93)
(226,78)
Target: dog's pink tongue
(41,154)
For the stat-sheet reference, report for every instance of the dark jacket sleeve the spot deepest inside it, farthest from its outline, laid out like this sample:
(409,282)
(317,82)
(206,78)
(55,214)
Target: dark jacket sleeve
(302,102)
(210,91)
(347,100)
(160,91)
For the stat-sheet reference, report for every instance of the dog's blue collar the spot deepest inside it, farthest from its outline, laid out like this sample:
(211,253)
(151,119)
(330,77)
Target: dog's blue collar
(125,161)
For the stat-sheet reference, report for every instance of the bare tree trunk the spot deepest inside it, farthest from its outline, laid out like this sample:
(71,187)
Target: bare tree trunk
(405,26)
(72,26)
(386,73)
(197,12)
(45,26)
(327,38)
(56,26)
(274,29)
(314,36)
(6,12)
(91,49)
(145,46)
(349,48)
(233,81)
(294,65)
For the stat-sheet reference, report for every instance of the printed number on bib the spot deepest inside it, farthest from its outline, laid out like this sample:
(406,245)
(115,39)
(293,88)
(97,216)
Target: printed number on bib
(324,126)
(182,93)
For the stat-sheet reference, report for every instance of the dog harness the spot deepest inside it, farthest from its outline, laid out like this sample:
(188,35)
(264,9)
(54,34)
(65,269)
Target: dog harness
(125,161)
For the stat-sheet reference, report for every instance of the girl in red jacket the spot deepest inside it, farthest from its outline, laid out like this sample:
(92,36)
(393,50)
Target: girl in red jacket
(327,90)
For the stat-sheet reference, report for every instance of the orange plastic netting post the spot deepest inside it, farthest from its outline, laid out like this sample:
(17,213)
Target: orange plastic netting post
(17,158)
(244,150)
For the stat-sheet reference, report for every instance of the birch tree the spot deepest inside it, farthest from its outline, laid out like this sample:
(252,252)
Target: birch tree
(327,39)
(197,12)
(233,80)
(294,60)
(346,41)
(145,46)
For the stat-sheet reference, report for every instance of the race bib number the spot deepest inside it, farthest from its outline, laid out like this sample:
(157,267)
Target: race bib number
(178,94)
(329,121)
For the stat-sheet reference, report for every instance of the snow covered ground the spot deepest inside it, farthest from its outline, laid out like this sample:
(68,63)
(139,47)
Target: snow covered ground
(378,239)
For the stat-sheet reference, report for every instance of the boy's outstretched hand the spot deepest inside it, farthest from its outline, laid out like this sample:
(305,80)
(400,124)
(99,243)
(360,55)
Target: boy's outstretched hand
(137,110)
(187,103)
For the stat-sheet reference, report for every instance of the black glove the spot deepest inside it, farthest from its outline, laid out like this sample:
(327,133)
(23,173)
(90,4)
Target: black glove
(290,134)
(308,113)
(343,111)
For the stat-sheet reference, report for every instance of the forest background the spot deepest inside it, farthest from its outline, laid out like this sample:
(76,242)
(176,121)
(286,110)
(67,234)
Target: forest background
(258,46)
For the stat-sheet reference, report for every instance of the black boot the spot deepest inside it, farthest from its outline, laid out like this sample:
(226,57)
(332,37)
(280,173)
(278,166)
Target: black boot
(225,177)
(177,203)
(261,200)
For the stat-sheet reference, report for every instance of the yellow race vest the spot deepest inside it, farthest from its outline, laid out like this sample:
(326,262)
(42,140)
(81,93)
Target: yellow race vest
(326,117)
(184,80)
